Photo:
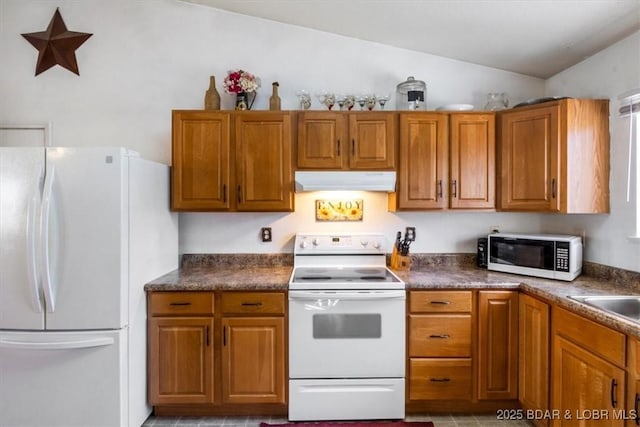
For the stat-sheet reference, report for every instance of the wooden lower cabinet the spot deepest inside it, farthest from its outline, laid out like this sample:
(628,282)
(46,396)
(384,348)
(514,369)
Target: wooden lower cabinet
(440,379)
(533,357)
(223,361)
(181,360)
(633,383)
(497,345)
(180,348)
(440,365)
(253,360)
(588,372)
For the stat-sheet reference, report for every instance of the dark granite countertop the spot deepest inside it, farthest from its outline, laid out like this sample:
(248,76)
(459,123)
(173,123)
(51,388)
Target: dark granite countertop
(198,274)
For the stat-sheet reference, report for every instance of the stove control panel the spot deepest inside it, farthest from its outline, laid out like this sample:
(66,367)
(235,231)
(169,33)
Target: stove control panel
(340,243)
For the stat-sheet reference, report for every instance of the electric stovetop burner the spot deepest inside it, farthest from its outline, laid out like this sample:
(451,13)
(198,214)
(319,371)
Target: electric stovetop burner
(343,274)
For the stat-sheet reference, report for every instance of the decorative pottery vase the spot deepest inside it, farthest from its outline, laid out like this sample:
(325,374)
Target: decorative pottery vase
(242,101)
(211,96)
(274,101)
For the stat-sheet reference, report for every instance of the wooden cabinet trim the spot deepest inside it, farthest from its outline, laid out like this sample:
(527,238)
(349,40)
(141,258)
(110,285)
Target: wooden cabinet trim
(599,339)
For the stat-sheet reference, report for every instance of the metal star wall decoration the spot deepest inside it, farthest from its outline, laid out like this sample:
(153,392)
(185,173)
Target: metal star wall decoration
(57,45)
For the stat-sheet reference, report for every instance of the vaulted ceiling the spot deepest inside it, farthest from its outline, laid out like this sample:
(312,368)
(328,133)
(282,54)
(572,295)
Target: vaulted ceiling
(533,37)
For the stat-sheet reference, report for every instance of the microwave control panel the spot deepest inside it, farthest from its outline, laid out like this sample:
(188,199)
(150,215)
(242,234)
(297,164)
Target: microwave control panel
(562,256)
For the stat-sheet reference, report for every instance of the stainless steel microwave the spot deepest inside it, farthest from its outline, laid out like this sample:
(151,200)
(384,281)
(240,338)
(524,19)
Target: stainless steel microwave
(550,256)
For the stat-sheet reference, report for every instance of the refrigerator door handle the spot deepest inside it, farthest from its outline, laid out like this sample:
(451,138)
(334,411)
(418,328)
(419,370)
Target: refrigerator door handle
(56,345)
(48,284)
(32,259)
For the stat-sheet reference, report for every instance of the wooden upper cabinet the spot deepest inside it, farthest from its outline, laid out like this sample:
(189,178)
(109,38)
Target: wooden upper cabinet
(423,166)
(322,140)
(554,157)
(447,161)
(200,174)
(342,140)
(372,140)
(472,160)
(263,162)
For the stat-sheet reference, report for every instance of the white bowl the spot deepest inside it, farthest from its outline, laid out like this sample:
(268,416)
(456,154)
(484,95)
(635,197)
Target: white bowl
(455,107)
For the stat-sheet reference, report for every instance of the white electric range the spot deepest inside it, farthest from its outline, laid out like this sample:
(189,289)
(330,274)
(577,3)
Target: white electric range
(346,330)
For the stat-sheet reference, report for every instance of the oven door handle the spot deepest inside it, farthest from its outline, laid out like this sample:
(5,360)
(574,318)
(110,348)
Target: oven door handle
(347,295)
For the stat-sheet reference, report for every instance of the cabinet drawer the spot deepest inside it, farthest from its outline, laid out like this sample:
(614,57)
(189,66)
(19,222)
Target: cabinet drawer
(440,379)
(440,335)
(595,337)
(440,302)
(180,303)
(253,302)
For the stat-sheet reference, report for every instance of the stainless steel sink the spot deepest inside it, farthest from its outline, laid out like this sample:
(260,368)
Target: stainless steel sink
(623,305)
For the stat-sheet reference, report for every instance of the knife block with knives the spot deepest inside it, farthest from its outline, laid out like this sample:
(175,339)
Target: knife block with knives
(400,259)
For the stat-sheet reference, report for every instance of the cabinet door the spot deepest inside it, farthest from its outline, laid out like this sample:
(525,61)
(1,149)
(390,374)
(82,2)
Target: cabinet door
(498,345)
(263,162)
(180,360)
(373,137)
(422,172)
(253,365)
(472,161)
(533,339)
(200,161)
(530,159)
(582,383)
(633,386)
(322,140)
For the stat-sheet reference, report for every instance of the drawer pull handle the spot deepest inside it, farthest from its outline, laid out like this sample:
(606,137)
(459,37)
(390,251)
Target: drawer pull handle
(436,302)
(207,333)
(251,304)
(338,146)
(224,336)
(614,386)
(180,303)
(440,380)
(440,336)
(637,409)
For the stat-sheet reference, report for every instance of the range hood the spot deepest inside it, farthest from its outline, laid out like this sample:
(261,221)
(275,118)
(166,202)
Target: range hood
(340,180)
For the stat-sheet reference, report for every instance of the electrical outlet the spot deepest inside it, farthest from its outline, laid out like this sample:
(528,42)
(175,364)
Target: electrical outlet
(410,234)
(265,234)
(494,229)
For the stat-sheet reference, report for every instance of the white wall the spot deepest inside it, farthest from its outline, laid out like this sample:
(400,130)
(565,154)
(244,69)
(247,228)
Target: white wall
(607,74)
(147,57)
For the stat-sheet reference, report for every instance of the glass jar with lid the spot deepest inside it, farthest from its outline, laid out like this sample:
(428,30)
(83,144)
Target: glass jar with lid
(411,95)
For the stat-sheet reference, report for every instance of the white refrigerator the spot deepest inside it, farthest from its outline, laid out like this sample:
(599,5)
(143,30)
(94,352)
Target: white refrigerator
(81,231)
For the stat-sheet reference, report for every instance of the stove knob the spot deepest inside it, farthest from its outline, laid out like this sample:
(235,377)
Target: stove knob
(316,242)
(364,243)
(303,244)
(377,245)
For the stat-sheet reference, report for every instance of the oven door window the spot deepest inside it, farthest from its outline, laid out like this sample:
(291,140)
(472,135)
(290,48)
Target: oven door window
(523,253)
(347,326)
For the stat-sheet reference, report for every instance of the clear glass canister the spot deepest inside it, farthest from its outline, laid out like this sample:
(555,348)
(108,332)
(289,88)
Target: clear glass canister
(411,95)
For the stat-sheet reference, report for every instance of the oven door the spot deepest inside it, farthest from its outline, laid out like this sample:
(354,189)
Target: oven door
(347,334)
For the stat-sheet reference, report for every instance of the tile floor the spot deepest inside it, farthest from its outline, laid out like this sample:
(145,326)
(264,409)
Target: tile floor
(439,420)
